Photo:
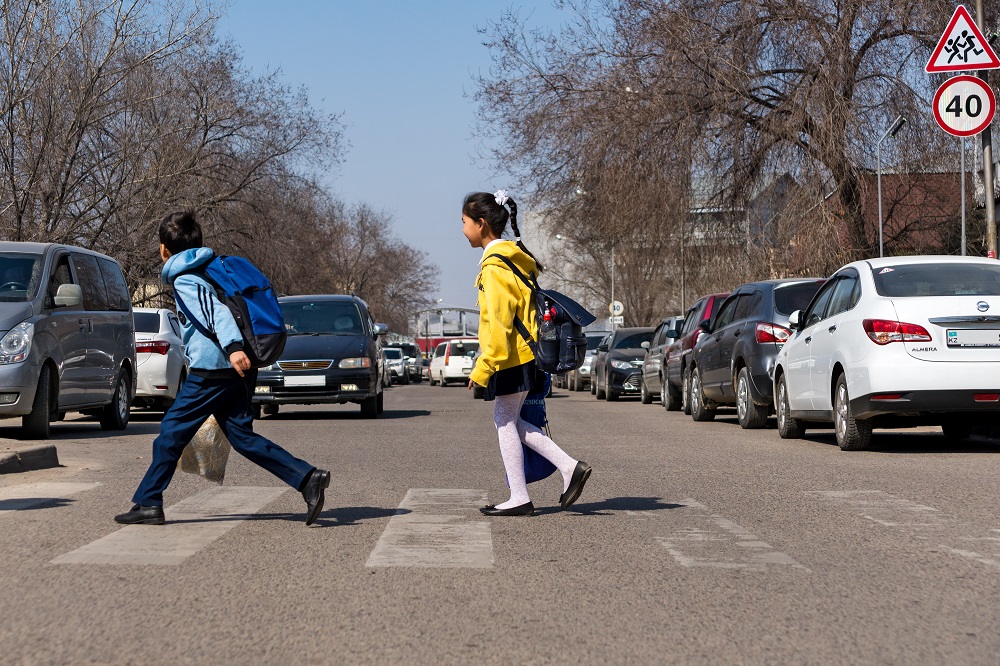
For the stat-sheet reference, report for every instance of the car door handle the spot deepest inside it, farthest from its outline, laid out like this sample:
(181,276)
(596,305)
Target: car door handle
(809,339)
(832,328)
(736,332)
(83,325)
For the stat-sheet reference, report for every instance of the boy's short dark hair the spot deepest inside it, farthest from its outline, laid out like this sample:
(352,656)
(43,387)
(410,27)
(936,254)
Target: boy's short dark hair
(180,231)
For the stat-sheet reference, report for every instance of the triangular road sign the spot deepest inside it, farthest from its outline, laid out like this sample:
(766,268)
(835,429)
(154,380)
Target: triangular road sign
(962,47)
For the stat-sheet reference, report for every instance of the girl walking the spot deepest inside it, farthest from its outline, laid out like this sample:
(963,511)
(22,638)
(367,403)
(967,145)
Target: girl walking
(506,365)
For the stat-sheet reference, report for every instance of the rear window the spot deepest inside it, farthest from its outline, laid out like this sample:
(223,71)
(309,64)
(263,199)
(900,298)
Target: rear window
(937,280)
(791,297)
(633,341)
(146,322)
(464,348)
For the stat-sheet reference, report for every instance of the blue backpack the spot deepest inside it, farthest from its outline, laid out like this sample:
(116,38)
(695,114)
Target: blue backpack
(247,292)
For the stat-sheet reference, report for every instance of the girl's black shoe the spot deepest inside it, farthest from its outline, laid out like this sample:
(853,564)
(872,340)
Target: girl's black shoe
(572,494)
(527,509)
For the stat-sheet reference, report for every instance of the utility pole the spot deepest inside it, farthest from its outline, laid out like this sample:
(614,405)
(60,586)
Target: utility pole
(987,135)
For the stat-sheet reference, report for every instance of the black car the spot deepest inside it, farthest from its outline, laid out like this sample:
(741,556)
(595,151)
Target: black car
(331,356)
(733,362)
(619,370)
(654,362)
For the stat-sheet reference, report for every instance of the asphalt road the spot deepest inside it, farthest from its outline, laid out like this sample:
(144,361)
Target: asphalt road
(692,544)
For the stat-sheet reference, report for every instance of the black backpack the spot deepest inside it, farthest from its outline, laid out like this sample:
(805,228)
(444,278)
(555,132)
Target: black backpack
(569,348)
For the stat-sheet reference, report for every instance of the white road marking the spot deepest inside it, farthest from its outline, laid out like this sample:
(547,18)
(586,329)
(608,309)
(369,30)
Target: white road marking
(434,527)
(924,523)
(713,541)
(28,495)
(192,524)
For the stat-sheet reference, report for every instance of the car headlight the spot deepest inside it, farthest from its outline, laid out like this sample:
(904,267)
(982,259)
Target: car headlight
(621,365)
(363,362)
(14,346)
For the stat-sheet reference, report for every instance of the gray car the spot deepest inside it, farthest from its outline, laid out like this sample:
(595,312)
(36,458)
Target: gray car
(67,340)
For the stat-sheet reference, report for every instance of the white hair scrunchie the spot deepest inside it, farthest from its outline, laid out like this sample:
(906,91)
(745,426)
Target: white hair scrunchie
(501,197)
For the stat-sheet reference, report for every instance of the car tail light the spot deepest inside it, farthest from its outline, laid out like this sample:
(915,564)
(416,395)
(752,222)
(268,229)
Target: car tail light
(697,335)
(447,354)
(884,331)
(986,397)
(767,332)
(887,396)
(153,347)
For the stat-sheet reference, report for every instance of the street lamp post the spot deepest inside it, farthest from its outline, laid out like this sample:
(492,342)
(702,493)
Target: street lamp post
(897,125)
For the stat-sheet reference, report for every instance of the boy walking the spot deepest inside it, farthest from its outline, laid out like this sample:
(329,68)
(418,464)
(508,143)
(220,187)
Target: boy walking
(220,382)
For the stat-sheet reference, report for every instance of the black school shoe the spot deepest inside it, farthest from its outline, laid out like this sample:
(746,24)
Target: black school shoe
(314,493)
(142,515)
(527,509)
(576,483)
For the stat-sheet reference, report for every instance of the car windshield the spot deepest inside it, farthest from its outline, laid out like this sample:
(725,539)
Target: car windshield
(20,274)
(395,354)
(322,318)
(949,279)
(593,341)
(464,348)
(791,297)
(634,341)
(146,322)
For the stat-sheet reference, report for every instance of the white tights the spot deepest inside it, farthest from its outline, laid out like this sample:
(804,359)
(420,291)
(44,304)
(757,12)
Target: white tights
(512,430)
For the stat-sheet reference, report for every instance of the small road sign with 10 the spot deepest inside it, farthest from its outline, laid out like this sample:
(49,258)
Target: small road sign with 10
(964,105)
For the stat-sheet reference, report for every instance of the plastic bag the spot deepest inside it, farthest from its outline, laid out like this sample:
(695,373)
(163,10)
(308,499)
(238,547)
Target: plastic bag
(208,452)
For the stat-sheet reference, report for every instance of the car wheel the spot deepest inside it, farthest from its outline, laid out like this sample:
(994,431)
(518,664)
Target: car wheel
(749,414)
(644,396)
(115,415)
(670,398)
(257,412)
(405,378)
(442,382)
(593,385)
(369,407)
(852,434)
(35,425)
(686,391)
(610,395)
(601,395)
(270,409)
(788,428)
(380,402)
(699,410)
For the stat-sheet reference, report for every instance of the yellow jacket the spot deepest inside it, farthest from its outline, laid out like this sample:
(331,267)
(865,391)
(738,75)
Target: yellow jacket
(502,295)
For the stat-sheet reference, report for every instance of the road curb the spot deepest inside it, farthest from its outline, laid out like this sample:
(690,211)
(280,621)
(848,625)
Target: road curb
(28,458)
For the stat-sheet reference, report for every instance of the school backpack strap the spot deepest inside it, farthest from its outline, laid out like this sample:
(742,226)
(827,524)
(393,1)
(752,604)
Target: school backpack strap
(194,321)
(518,324)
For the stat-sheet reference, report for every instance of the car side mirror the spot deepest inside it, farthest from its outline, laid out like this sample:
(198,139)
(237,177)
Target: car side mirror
(645,345)
(673,334)
(795,320)
(706,325)
(381,329)
(602,348)
(68,295)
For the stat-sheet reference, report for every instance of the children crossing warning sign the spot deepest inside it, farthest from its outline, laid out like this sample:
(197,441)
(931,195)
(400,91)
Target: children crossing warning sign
(962,47)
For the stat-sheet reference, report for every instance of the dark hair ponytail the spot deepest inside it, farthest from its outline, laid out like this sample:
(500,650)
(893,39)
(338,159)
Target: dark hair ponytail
(484,205)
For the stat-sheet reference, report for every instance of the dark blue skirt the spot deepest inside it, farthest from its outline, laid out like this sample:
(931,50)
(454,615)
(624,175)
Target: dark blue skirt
(524,377)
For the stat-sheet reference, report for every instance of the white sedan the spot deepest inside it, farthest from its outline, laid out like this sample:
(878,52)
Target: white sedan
(159,357)
(894,341)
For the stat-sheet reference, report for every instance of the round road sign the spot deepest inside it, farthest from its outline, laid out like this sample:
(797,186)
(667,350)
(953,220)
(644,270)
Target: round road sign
(964,105)
(616,308)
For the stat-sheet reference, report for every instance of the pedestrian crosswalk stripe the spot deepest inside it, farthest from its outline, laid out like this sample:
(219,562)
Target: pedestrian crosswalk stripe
(192,524)
(709,540)
(436,527)
(28,495)
(941,531)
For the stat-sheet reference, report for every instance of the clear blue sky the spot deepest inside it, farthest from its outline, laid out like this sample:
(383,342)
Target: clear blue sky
(401,74)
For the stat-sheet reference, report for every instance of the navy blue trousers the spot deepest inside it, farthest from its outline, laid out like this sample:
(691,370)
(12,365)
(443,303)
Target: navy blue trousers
(229,400)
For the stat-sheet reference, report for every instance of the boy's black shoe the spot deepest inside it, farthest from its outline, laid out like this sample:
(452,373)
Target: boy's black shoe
(141,515)
(314,493)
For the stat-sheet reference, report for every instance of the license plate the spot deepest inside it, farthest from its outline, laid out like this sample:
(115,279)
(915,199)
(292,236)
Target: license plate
(978,337)
(306,380)
(466,371)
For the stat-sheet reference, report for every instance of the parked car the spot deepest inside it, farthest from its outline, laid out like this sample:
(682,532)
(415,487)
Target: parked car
(385,370)
(676,393)
(733,364)
(159,357)
(396,365)
(331,356)
(579,379)
(651,380)
(894,341)
(597,361)
(620,369)
(411,359)
(66,336)
(453,361)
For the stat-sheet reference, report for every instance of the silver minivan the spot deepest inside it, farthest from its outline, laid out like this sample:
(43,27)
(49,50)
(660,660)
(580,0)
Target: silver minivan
(67,340)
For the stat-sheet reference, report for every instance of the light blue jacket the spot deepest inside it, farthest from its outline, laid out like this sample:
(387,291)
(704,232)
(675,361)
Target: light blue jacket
(203,353)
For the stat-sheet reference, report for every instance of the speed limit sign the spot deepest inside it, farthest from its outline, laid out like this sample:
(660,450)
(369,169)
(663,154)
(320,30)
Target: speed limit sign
(964,105)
